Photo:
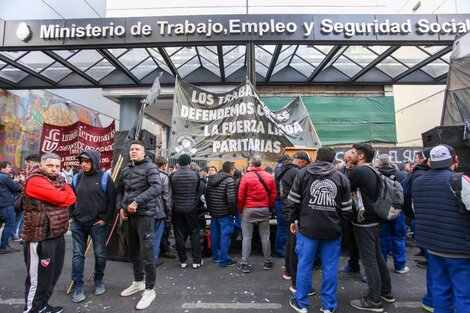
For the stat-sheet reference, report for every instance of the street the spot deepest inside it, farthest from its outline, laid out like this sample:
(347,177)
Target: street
(208,289)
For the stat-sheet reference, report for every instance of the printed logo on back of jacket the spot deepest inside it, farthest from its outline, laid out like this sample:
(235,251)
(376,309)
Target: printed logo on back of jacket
(323,193)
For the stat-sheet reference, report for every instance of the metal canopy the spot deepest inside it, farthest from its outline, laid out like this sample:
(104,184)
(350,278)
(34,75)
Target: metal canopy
(219,64)
(296,50)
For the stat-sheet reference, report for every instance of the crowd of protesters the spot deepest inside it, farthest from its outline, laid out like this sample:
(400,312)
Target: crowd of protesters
(314,201)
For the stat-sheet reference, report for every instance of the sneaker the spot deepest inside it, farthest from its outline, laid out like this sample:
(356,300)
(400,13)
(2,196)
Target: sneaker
(268,266)
(183,265)
(365,305)
(147,298)
(169,255)
(99,288)
(347,269)
(230,263)
(215,261)
(312,291)
(388,298)
(427,308)
(8,249)
(404,270)
(15,238)
(158,262)
(135,287)
(52,309)
(244,268)
(286,276)
(327,310)
(78,295)
(422,264)
(293,303)
(198,265)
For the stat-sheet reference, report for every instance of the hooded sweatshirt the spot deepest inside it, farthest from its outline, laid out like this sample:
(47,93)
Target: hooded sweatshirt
(319,198)
(92,203)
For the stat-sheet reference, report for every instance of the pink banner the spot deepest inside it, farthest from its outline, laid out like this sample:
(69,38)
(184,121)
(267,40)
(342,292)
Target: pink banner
(69,141)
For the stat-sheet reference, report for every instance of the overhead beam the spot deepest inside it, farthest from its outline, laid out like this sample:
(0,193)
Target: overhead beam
(117,64)
(220,54)
(8,82)
(71,67)
(168,61)
(27,70)
(324,62)
(273,62)
(375,62)
(423,63)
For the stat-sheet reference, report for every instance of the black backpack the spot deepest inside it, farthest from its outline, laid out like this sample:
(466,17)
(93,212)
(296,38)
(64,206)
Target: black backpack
(389,201)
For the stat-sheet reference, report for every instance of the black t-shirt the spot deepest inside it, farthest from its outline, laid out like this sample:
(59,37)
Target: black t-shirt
(364,178)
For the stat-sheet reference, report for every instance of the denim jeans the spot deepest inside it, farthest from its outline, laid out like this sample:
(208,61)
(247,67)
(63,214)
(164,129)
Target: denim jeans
(378,275)
(221,238)
(329,251)
(393,239)
(450,287)
(427,298)
(80,235)
(19,221)
(281,232)
(7,217)
(158,230)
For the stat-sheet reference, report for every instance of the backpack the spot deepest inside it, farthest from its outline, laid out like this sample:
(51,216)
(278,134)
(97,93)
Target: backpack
(104,181)
(456,185)
(389,202)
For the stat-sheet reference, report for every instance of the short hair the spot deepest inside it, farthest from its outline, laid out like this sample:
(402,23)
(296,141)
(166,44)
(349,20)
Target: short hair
(4,164)
(255,160)
(227,166)
(326,154)
(160,161)
(33,157)
(52,156)
(215,168)
(366,149)
(237,174)
(194,167)
(137,142)
(384,159)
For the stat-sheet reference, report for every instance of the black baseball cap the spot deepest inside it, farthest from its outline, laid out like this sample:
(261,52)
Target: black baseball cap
(302,155)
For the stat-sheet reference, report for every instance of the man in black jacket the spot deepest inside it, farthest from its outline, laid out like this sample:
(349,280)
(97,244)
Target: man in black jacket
(319,199)
(92,211)
(187,188)
(139,188)
(221,199)
(367,231)
(285,178)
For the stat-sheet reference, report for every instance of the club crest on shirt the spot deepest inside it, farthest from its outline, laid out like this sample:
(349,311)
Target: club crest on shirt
(45,262)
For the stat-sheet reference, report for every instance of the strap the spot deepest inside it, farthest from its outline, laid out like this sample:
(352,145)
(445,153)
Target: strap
(262,182)
(456,185)
(104,181)
(75,180)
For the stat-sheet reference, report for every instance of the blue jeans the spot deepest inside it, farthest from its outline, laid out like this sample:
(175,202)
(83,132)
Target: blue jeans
(7,217)
(158,228)
(221,238)
(80,235)
(427,299)
(450,284)
(19,221)
(393,238)
(329,251)
(281,231)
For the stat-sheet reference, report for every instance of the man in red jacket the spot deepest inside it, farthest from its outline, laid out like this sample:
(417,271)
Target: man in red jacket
(256,197)
(46,197)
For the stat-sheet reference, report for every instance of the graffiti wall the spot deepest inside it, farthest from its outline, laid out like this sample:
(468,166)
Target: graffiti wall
(22,114)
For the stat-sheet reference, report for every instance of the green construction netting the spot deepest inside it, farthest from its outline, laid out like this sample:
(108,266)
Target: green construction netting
(344,120)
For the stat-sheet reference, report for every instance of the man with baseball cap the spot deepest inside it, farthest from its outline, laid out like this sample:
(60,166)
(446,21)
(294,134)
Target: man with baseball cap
(443,229)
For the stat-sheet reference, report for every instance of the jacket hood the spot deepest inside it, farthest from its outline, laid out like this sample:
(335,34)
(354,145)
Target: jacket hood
(321,168)
(215,180)
(388,171)
(285,167)
(421,167)
(95,158)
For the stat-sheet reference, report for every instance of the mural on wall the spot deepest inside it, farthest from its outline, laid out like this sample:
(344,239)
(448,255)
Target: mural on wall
(22,114)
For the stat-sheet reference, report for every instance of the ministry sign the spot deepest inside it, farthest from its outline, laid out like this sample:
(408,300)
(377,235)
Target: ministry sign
(235,124)
(233,28)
